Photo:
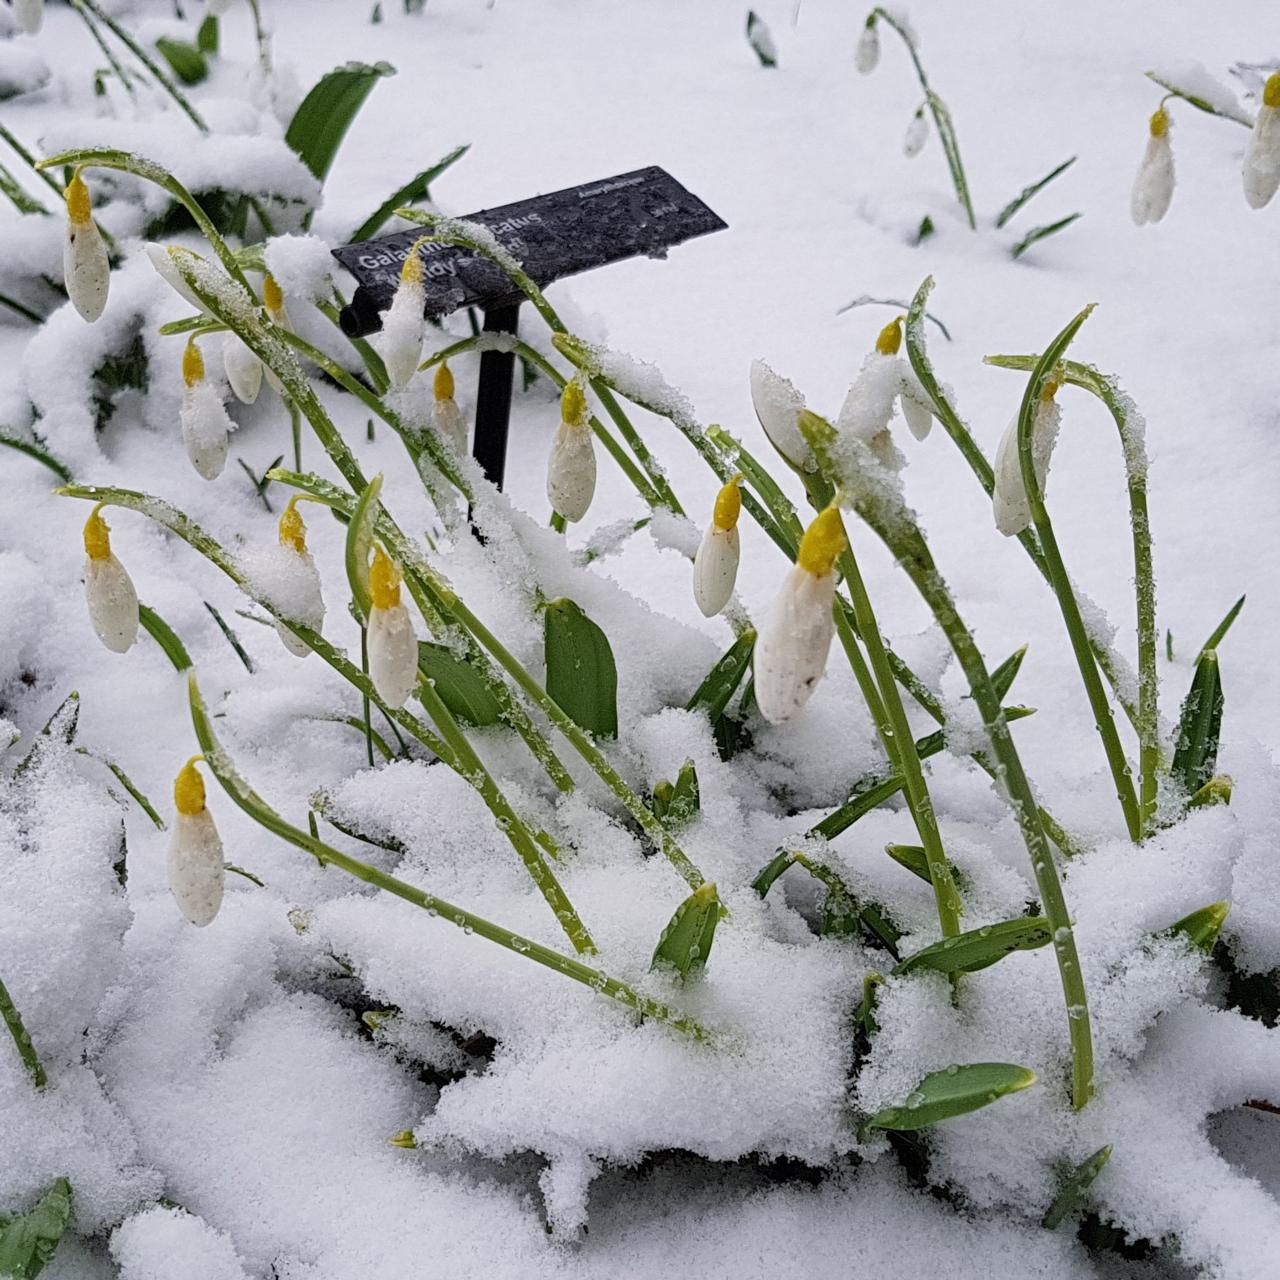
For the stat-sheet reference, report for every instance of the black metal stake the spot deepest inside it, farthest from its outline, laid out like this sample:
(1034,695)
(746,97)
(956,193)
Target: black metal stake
(493,397)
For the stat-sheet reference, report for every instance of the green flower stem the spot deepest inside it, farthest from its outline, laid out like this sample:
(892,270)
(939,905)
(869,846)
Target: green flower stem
(448,231)
(26,1050)
(1201,104)
(366,719)
(31,162)
(973,455)
(907,542)
(1061,582)
(257,808)
(145,58)
(1147,720)
(59,469)
(941,118)
(126,80)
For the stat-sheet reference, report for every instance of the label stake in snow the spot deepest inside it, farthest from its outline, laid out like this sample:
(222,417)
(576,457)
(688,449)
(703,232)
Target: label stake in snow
(553,236)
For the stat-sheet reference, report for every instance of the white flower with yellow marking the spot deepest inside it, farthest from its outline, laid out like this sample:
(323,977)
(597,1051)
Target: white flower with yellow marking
(399,342)
(715,567)
(866,56)
(571,468)
(885,379)
(1009,499)
(446,415)
(108,589)
(206,426)
(196,866)
(86,269)
(273,301)
(791,652)
(778,404)
(1153,186)
(305,599)
(29,15)
(1262,156)
(162,258)
(393,646)
(243,369)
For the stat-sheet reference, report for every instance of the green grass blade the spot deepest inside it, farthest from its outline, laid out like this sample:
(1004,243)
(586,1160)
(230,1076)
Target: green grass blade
(461,688)
(1036,234)
(318,126)
(417,188)
(1220,631)
(1034,189)
(582,677)
(1200,725)
(686,941)
(980,948)
(28,1240)
(232,639)
(772,871)
(1077,1182)
(953,1092)
(1201,928)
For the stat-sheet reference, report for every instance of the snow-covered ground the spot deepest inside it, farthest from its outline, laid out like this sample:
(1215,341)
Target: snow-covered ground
(214,1099)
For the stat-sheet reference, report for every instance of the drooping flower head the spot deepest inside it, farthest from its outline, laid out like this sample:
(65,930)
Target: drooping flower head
(571,466)
(446,415)
(1262,156)
(715,567)
(303,590)
(866,56)
(206,426)
(109,591)
(393,645)
(196,867)
(86,267)
(400,340)
(1153,185)
(1009,500)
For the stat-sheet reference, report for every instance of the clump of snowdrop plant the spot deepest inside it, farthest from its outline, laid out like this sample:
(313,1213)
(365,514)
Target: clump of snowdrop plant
(474,674)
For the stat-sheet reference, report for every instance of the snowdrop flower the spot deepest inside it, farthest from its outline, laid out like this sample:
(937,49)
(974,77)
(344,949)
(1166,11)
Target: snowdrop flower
(243,369)
(447,416)
(29,15)
(885,378)
(1009,498)
(777,404)
(1153,187)
(791,652)
(162,258)
(273,300)
(404,324)
(914,399)
(715,567)
(571,469)
(196,867)
(393,646)
(206,427)
(1262,156)
(867,55)
(917,135)
(86,270)
(108,589)
(305,598)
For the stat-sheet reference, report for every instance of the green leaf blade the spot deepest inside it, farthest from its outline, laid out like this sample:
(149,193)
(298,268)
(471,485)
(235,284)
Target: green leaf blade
(955,1091)
(1195,754)
(187,60)
(1074,1187)
(1201,928)
(319,125)
(715,693)
(979,948)
(461,687)
(582,676)
(686,942)
(28,1240)
(1027,193)
(417,188)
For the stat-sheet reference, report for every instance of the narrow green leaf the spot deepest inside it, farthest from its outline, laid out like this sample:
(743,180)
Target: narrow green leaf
(360,543)
(1037,234)
(772,871)
(186,59)
(1028,192)
(1168,643)
(686,942)
(912,857)
(760,40)
(581,674)
(1216,791)
(62,724)
(714,694)
(1196,750)
(953,1092)
(1006,673)
(1077,1182)
(461,688)
(1201,928)
(839,918)
(978,948)
(207,36)
(28,1240)
(686,798)
(318,126)
(164,635)
(12,190)
(1220,631)
(417,188)
(59,469)
(232,639)
(663,790)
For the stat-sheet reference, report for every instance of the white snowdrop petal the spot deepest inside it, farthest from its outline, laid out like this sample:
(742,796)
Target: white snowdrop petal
(159,258)
(217,7)
(29,15)
(305,598)
(1009,499)
(867,55)
(393,654)
(571,471)
(113,602)
(916,136)
(86,270)
(715,569)
(243,369)
(399,341)
(450,423)
(791,651)
(778,404)
(206,429)
(196,872)
(1262,158)
(868,406)
(1153,186)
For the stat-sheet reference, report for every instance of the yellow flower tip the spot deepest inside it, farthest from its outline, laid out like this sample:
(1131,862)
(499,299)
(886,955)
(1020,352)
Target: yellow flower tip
(573,404)
(444,382)
(192,364)
(97,539)
(1271,90)
(411,268)
(188,789)
(78,206)
(823,541)
(1159,122)
(384,581)
(271,293)
(890,338)
(404,1139)
(728,505)
(293,529)
(1050,389)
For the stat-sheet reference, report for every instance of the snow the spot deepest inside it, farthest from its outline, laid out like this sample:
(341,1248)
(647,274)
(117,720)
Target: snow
(228,1095)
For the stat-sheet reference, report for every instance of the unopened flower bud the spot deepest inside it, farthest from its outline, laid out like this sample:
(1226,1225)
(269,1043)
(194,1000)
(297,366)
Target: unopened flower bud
(867,55)
(196,866)
(715,567)
(571,467)
(109,591)
(86,269)
(306,601)
(243,369)
(1153,186)
(206,426)
(446,415)
(393,645)
(1009,500)
(399,341)
(1262,156)
(916,136)
(777,404)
